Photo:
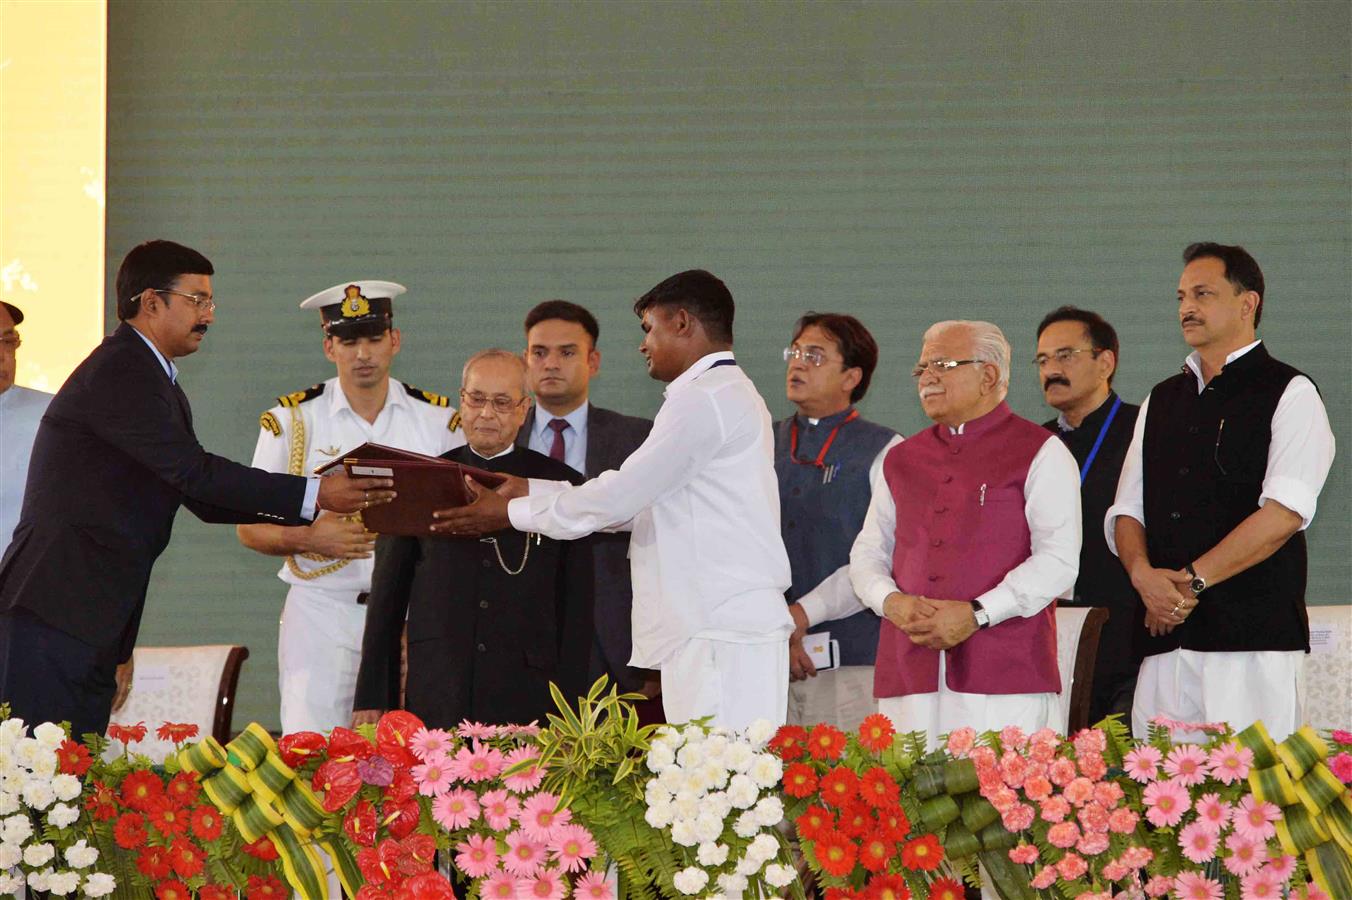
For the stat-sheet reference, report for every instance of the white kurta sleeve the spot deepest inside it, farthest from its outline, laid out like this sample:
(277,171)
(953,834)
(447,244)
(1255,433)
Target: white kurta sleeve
(871,555)
(1301,452)
(1052,508)
(1130,498)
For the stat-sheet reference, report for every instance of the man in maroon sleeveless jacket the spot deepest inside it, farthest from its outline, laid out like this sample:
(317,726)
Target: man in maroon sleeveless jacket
(1220,481)
(973,531)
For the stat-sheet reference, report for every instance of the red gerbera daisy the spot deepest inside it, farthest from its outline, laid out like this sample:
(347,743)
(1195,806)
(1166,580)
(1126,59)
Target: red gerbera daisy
(835,854)
(888,887)
(893,823)
(875,851)
(167,818)
(172,890)
(826,742)
(102,802)
(175,733)
(876,732)
(879,789)
(924,853)
(183,789)
(73,758)
(842,894)
(141,789)
(856,819)
(839,786)
(263,849)
(215,892)
(130,831)
(814,822)
(789,742)
(799,780)
(185,857)
(153,863)
(205,822)
(260,888)
(946,889)
(127,734)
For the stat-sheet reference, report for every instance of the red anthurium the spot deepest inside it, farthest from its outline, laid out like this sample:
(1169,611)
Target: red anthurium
(399,818)
(338,782)
(380,865)
(371,891)
(427,886)
(300,747)
(346,745)
(393,733)
(360,824)
(419,852)
(402,788)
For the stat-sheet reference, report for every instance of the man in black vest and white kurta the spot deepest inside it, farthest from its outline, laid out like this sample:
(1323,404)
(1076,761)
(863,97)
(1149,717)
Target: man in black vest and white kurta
(1221,479)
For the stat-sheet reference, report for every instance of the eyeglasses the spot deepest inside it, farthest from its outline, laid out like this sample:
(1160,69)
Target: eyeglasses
(941,367)
(201,301)
(1063,355)
(812,357)
(500,403)
(10,342)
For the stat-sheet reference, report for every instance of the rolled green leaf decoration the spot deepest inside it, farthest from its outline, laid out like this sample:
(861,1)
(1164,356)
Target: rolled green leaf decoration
(1009,882)
(995,837)
(255,818)
(1257,739)
(928,780)
(1331,868)
(1302,751)
(977,812)
(1298,831)
(1338,818)
(344,866)
(1319,788)
(203,757)
(959,842)
(301,863)
(1273,785)
(252,745)
(300,807)
(960,777)
(936,812)
(271,777)
(227,789)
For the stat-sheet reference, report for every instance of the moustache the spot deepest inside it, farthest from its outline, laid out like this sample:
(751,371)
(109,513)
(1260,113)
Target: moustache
(1191,320)
(930,391)
(200,329)
(1055,379)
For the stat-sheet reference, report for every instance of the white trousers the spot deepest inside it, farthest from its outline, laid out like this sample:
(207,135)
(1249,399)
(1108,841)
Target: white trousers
(1235,687)
(841,697)
(943,711)
(733,683)
(318,654)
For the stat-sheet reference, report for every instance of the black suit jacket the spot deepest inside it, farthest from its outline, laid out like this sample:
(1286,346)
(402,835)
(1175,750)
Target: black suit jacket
(482,644)
(611,437)
(114,458)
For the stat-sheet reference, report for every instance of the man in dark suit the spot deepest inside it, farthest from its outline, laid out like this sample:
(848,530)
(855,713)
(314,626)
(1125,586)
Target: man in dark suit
(492,620)
(114,458)
(562,358)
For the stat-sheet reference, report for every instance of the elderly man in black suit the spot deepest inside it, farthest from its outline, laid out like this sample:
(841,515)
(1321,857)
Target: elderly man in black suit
(492,620)
(562,358)
(114,458)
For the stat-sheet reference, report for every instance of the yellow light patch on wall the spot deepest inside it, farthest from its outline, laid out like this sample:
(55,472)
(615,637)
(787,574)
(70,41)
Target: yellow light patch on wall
(53,92)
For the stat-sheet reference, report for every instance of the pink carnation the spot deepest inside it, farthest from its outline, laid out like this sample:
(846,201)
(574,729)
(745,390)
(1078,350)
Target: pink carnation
(960,741)
(1063,834)
(1018,818)
(1044,879)
(1054,809)
(1341,764)
(983,758)
(1192,886)
(529,778)
(1137,857)
(1037,787)
(477,856)
(1003,799)
(524,857)
(1108,793)
(1122,820)
(1013,738)
(1080,791)
(1024,854)
(1093,766)
(1342,738)
(1071,866)
(1187,763)
(1142,764)
(593,886)
(1090,740)
(1159,886)
(1166,802)
(1061,772)
(1253,818)
(1115,871)
(1212,812)
(1093,817)
(500,809)
(1198,841)
(1246,854)
(1092,843)
(1013,768)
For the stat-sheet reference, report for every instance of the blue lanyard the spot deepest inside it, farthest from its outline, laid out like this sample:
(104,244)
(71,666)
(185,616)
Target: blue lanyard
(1098,442)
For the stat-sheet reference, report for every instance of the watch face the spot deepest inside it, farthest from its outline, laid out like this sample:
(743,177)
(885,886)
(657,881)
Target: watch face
(1198,585)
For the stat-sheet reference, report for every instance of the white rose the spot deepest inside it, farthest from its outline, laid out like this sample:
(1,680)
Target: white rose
(742,792)
(672,778)
(38,793)
(659,815)
(691,880)
(780,875)
(708,828)
(67,787)
(685,806)
(63,883)
(10,854)
(660,756)
(764,847)
(714,775)
(49,735)
(712,854)
(717,804)
(99,884)
(745,826)
(81,855)
(683,833)
(62,815)
(38,854)
(9,803)
(766,770)
(691,756)
(739,757)
(11,885)
(38,880)
(732,884)
(16,829)
(769,811)
(760,732)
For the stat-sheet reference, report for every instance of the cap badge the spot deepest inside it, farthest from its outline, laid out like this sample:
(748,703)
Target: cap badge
(354,304)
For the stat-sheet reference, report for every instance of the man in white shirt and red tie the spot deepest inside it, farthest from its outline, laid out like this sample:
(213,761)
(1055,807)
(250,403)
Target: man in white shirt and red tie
(973,531)
(701,500)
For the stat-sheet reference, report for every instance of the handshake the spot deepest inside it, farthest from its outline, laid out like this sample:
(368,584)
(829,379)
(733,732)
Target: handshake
(937,624)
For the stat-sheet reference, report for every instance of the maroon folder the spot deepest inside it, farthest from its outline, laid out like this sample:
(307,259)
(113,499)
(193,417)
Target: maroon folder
(423,484)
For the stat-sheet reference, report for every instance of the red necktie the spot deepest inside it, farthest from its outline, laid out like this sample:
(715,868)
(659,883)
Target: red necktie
(556,449)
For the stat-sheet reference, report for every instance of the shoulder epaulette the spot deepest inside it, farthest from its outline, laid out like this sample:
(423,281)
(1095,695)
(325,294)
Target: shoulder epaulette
(454,423)
(427,396)
(298,397)
(268,422)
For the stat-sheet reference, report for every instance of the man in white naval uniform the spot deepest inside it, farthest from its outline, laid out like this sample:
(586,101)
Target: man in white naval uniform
(328,563)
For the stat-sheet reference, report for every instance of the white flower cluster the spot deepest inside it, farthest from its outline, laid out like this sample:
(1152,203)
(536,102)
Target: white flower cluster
(708,782)
(31,789)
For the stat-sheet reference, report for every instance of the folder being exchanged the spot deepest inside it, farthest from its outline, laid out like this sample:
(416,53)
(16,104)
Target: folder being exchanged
(423,484)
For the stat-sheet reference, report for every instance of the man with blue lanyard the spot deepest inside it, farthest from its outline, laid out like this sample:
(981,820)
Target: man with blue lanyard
(1077,354)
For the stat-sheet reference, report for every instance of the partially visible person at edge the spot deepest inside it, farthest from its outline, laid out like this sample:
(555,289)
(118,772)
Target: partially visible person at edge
(21,409)
(1220,482)
(115,457)
(1077,357)
(826,459)
(700,497)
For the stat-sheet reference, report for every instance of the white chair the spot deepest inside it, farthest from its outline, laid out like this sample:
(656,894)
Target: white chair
(184,685)
(1077,638)
(1328,667)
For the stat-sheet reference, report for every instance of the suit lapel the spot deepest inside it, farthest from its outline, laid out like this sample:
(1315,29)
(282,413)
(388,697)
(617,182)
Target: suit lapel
(523,435)
(183,405)
(596,442)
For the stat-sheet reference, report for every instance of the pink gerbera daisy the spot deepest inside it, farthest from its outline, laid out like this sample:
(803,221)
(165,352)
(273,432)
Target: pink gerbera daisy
(1253,818)
(541,817)
(477,856)
(571,847)
(593,886)
(1282,866)
(429,742)
(499,886)
(1187,763)
(477,763)
(529,778)
(500,809)
(1198,841)
(455,809)
(1230,762)
(548,885)
(1246,854)
(1312,891)
(1261,885)
(524,857)
(478,730)
(1192,886)
(1142,764)
(433,777)
(1212,812)
(1166,802)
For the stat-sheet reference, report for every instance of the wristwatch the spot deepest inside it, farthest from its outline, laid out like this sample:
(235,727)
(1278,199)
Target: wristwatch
(983,618)
(1198,582)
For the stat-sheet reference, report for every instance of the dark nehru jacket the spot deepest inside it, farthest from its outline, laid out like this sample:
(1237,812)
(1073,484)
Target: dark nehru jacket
(482,644)
(1102,581)
(1205,456)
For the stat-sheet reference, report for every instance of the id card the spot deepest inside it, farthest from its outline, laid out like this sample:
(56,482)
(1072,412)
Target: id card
(824,652)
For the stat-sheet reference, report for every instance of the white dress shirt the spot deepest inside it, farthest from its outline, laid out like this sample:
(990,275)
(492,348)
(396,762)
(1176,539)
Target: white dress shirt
(574,436)
(1299,455)
(701,498)
(1052,509)
(21,410)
